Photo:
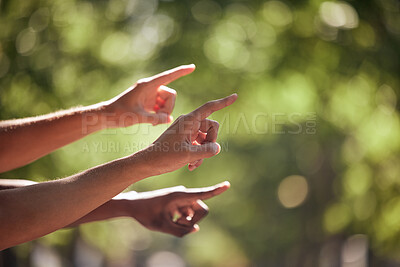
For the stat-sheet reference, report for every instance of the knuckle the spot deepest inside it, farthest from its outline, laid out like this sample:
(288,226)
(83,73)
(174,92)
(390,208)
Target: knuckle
(215,124)
(167,90)
(174,195)
(181,188)
(203,206)
(142,81)
(206,210)
(190,116)
(169,196)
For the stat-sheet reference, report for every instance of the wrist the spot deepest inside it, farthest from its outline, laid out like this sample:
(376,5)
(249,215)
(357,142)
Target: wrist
(125,203)
(141,164)
(150,159)
(119,208)
(114,115)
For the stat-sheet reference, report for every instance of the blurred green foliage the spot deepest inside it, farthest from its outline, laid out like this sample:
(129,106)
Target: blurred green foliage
(312,146)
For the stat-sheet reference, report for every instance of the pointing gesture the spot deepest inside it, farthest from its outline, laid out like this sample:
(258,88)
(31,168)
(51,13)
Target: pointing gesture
(147,101)
(208,130)
(175,210)
(190,139)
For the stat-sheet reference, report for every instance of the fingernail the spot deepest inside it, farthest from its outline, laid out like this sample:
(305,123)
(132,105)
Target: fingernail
(226,183)
(189,66)
(216,148)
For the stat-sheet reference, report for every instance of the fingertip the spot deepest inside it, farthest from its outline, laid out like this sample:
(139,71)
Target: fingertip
(226,184)
(217,149)
(233,98)
(213,148)
(196,228)
(223,186)
(170,119)
(189,67)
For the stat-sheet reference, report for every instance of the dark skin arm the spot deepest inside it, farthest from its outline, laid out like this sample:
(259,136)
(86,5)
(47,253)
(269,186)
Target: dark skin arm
(32,211)
(147,101)
(174,210)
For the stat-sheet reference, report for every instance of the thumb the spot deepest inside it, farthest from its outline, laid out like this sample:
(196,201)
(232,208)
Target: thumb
(155,118)
(206,150)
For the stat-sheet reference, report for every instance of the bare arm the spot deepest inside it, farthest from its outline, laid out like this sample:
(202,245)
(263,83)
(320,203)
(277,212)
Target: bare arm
(35,210)
(174,210)
(25,140)
(148,101)
(14,183)
(115,207)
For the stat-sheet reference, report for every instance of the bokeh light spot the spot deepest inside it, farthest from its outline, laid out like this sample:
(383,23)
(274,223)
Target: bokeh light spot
(364,35)
(338,15)
(355,251)
(277,13)
(165,259)
(364,206)
(26,41)
(115,47)
(292,191)
(157,29)
(40,19)
(337,217)
(358,179)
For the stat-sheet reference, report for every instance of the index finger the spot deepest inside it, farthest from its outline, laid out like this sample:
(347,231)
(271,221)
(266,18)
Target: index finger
(210,107)
(208,192)
(171,75)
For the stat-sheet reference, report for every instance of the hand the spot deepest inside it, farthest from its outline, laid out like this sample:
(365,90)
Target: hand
(175,210)
(147,101)
(190,139)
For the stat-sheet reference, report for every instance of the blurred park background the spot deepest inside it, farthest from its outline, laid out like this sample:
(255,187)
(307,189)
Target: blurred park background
(311,147)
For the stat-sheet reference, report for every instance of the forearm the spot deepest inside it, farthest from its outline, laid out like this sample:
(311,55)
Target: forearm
(115,207)
(14,183)
(32,211)
(25,140)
